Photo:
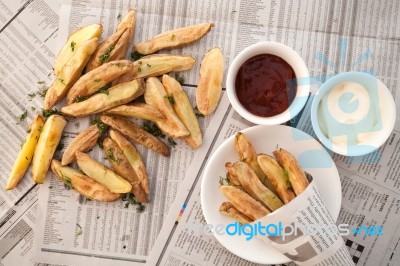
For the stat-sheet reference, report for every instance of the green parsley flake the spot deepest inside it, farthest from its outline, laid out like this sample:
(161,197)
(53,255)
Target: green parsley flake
(22,117)
(170,98)
(103,58)
(73,46)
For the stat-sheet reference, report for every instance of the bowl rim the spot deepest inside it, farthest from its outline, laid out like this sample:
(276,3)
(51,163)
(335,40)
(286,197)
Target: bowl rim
(293,59)
(326,87)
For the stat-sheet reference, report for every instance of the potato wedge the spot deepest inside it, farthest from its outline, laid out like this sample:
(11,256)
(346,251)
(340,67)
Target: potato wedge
(25,155)
(94,80)
(83,184)
(183,108)
(121,166)
(232,174)
(137,110)
(83,142)
(156,96)
(252,185)
(248,154)
(74,41)
(70,73)
(133,158)
(100,102)
(209,89)
(244,203)
(277,177)
(174,38)
(228,209)
(46,146)
(102,174)
(135,133)
(297,177)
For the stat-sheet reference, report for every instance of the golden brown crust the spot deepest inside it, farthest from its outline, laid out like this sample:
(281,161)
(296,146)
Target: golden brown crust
(137,110)
(228,209)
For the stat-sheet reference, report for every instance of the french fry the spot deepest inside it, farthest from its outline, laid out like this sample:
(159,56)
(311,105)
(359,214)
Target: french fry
(232,174)
(250,182)
(135,133)
(83,184)
(158,64)
(209,88)
(297,177)
(184,110)
(174,38)
(74,41)
(248,154)
(121,166)
(46,146)
(137,110)
(100,102)
(277,177)
(244,203)
(102,174)
(229,210)
(25,155)
(156,96)
(96,79)
(83,142)
(69,73)
(133,158)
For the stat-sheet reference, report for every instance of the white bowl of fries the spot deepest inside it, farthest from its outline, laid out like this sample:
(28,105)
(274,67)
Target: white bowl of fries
(221,198)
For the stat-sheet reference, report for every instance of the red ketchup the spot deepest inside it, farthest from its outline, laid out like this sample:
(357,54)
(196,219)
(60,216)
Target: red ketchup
(266,85)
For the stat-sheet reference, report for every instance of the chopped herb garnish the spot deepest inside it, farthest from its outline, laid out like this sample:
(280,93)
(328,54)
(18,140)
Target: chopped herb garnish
(40,82)
(96,80)
(105,91)
(139,69)
(179,79)
(130,198)
(172,142)
(80,99)
(197,112)
(100,125)
(173,37)
(105,88)
(80,231)
(100,143)
(110,155)
(40,129)
(148,65)
(73,46)
(119,16)
(42,93)
(103,58)
(61,81)
(22,117)
(31,95)
(170,98)
(140,62)
(224,181)
(48,113)
(22,144)
(67,181)
(33,108)
(153,129)
(136,56)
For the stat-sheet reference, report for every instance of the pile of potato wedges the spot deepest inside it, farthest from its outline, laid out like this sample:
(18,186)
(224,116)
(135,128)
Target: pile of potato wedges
(96,79)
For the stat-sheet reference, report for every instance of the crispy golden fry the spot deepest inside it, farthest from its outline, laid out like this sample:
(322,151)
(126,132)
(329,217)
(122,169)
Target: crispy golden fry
(297,177)
(277,177)
(46,146)
(128,76)
(121,166)
(174,38)
(228,209)
(232,175)
(74,41)
(156,96)
(115,46)
(133,158)
(94,80)
(255,188)
(184,110)
(83,142)
(135,133)
(244,203)
(209,89)
(247,154)
(158,64)
(83,184)
(25,155)
(70,73)
(137,110)
(102,174)
(100,102)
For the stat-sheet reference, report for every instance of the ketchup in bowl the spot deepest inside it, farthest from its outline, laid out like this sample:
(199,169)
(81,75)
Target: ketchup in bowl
(265,85)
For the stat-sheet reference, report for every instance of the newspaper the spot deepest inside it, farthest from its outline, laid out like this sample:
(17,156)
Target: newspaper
(331,36)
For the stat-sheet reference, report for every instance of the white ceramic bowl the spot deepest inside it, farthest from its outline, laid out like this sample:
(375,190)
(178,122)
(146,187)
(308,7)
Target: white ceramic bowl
(379,95)
(293,59)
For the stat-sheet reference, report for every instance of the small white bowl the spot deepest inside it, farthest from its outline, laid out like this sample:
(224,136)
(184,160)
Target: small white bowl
(293,59)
